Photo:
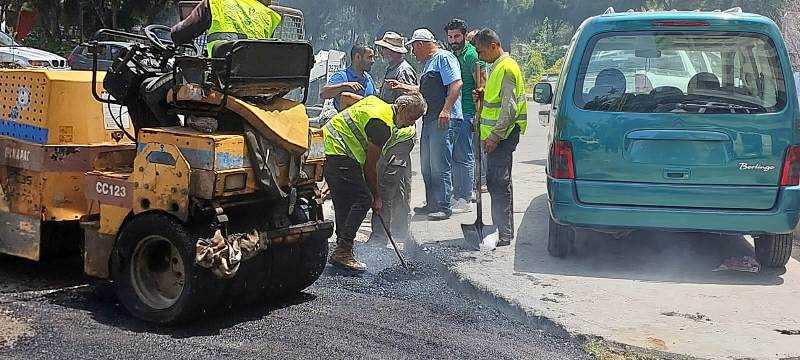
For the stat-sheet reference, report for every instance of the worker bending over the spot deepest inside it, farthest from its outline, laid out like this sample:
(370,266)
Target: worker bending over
(354,141)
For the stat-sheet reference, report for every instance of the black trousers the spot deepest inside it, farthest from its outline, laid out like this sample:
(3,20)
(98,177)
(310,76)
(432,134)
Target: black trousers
(351,196)
(498,180)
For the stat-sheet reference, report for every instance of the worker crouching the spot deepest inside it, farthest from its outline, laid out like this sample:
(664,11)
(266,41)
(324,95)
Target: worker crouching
(355,139)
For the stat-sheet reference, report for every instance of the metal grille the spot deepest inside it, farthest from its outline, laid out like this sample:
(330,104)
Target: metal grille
(291,28)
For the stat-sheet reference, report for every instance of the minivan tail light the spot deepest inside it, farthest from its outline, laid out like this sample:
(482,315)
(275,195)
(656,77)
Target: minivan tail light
(680,23)
(561,164)
(791,167)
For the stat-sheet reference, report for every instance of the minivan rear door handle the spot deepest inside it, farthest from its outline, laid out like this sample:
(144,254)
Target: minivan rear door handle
(677,173)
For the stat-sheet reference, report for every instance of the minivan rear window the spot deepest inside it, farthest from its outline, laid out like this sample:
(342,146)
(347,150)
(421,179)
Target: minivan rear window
(681,72)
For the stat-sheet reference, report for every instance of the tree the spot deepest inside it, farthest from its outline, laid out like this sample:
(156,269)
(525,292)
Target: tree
(790,24)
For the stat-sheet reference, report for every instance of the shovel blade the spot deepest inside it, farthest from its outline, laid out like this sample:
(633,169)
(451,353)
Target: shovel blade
(475,234)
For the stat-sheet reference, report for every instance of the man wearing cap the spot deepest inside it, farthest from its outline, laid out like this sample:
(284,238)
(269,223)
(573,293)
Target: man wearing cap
(355,82)
(504,118)
(354,140)
(440,84)
(394,167)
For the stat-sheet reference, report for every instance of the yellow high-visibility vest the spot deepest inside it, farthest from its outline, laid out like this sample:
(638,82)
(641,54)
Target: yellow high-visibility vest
(345,133)
(240,19)
(492,102)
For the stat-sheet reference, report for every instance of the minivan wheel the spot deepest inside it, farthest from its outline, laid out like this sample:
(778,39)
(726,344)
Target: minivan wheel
(774,251)
(560,240)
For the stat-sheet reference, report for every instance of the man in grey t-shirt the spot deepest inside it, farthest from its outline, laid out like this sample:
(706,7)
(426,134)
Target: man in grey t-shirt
(394,167)
(392,47)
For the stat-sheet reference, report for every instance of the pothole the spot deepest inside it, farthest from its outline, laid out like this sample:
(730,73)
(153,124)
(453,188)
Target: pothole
(788,332)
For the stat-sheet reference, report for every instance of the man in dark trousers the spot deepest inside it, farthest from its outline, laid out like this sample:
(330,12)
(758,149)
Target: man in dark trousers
(503,118)
(354,140)
(394,168)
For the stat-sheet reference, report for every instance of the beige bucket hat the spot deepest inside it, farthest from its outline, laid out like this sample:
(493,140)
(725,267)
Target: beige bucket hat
(393,41)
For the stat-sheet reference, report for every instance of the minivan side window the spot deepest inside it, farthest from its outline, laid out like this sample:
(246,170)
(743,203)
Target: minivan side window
(564,71)
(688,72)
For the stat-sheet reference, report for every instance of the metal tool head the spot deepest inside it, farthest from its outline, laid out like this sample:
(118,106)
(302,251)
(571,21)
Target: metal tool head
(475,234)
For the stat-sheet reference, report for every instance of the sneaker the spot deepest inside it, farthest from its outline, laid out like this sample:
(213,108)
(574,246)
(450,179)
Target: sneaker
(484,189)
(461,206)
(438,216)
(423,210)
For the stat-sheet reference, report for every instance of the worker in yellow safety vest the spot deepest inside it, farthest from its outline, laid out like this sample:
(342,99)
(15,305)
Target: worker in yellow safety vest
(223,20)
(227,20)
(354,142)
(504,118)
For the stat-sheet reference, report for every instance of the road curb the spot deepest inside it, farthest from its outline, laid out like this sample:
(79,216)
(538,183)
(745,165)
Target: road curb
(421,252)
(485,296)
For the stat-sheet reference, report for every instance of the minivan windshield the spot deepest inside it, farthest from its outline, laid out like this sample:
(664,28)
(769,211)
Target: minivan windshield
(699,72)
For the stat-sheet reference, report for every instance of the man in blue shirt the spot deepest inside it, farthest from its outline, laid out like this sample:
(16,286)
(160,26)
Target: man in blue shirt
(440,84)
(353,83)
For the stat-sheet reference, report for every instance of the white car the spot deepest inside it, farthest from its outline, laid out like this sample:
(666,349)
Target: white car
(13,54)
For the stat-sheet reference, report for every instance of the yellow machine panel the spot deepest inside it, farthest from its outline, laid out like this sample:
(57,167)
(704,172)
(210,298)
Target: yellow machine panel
(282,121)
(56,108)
(52,131)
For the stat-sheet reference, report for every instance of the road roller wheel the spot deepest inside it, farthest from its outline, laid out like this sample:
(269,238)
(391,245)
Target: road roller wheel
(155,274)
(296,267)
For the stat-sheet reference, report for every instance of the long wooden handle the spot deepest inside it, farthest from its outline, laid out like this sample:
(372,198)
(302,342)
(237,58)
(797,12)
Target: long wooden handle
(478,145)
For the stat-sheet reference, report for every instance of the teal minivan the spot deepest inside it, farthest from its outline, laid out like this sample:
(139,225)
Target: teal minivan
(677,121)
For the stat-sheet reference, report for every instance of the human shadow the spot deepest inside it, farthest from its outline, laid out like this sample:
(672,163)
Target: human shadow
(644,255)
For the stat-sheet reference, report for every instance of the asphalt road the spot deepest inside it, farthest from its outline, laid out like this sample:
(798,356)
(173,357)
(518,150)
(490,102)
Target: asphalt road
(47,311)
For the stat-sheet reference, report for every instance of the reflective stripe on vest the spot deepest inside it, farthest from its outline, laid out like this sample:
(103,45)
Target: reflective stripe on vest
(345,134)
(492,102)
(400,135)
(240,19)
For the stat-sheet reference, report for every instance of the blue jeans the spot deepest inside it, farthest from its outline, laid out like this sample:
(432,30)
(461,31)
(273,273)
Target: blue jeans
(436,156)
(463,157)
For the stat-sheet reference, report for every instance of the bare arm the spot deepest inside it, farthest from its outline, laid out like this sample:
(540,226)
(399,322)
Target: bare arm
(198,21)
(397,85)
(347,99)
(332,91)
(453,92)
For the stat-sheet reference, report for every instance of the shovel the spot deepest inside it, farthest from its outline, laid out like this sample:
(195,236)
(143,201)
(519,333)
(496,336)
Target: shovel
(474,234)
(391,239)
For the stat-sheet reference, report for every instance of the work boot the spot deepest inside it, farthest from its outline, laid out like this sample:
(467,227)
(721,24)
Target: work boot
(344,257)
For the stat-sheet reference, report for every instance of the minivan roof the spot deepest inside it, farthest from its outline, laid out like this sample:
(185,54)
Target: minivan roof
(717,20)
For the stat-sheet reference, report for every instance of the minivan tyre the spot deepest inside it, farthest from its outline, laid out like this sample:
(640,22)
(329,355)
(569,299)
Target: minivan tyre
(560,239)
(150,248)
(774,251)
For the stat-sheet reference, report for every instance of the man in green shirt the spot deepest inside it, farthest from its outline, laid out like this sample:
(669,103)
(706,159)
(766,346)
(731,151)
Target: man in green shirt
(463,152)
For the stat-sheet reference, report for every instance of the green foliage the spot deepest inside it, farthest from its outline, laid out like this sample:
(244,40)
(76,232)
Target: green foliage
(555,69)
(525,26)
(534,68)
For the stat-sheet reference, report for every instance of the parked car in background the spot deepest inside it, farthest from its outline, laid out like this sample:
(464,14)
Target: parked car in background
(676,121)
(81,58)
(16,55)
